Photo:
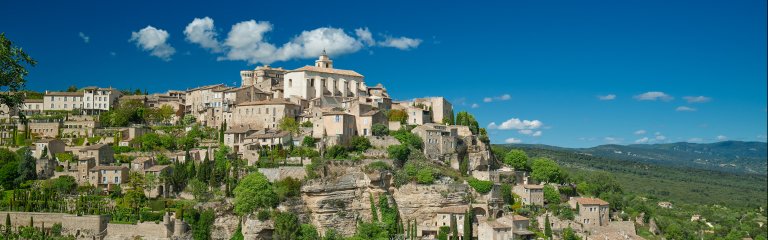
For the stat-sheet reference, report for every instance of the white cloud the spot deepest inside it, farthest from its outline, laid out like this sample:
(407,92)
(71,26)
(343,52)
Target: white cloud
(475,105)
(85,38)
(722,138)
(153,40)
(202,32)
(536,134)
(513,140)
(612,140)
(653,96)
(640,132)
(661,137)
(695,140)
(607,97)
(526,131)
(685,109)
(762,137)
(503,97)
(112,53)
(642,140)
(247,41)
(516,124)
(365,36)
(697,99)
(402,43)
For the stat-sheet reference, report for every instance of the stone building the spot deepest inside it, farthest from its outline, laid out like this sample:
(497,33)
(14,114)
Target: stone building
(590,211)
(162,188)
(506,227)
(337,127)
(439,140)
(101,153)
(530,194)
(52,146)
(264,114)
(323,79)
(264,78)
(106,177)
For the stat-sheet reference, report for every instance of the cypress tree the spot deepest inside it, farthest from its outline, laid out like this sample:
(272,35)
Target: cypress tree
(454,229)
(467,225)
(374,214)
(7,224)
(547,227)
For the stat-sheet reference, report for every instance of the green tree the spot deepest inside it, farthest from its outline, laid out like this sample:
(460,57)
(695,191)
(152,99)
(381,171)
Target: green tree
(14,62)
(454,228)
(308,142)
(286,226)
(238,233)
(374,212)
(464,166)
(506,194)
(517,159)
(289,124)
(7,224)
(425,176)
(360,143)
(399,153)
(546,170)
(443,233)
(254,192)
(199,190)
(379,129)
(569,234)
(308,232)
(468,225)
(396,115)
(547,227)
(552,195)
(26,167)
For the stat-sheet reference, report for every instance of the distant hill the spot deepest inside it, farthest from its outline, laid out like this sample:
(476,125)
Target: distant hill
(666,171)
(727,156)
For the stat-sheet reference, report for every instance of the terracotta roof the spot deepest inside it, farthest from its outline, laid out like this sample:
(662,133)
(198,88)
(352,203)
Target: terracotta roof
(497,225)
(370,113)
(532,186)
(141,159)
(518,218)
(330,113)
(453,209)
(104,167)
(240,129)
(590,201)
(33,100)
(327,70)
(206,87)
(93,147)
(267,102)
(77,94)
(269,133)
(157,168)
(134,97)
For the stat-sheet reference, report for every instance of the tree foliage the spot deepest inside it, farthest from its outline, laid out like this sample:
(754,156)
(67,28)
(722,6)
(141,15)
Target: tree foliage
(253,192)
(517,159)
(379,129)
(546,170)
(14,62)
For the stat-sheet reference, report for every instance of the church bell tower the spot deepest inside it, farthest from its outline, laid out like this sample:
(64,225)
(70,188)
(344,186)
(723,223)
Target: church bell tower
(323,61)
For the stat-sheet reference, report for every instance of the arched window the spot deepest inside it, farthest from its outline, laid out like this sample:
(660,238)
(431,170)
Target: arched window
(290,82)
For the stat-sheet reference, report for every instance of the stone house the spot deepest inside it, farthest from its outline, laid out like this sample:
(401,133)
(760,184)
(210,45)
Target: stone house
(439,140)
(52,146)
(235,136)
(418,115)
(263,78)
(268,138)
(429,229)
(591,211)
(106,177)
(162,188)
(506,227)
(44,128)
(530,194)
(142,163)
(438,107)
(102,153)
(366,121)
(323,79)
(32,106)
(264,114)
(337,126)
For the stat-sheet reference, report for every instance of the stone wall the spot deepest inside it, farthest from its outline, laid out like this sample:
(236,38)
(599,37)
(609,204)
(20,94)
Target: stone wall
(82,227)
(383,141)
(146,230)
(274,174)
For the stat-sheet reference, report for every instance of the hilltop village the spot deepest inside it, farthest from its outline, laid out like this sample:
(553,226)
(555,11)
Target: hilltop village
(309,153)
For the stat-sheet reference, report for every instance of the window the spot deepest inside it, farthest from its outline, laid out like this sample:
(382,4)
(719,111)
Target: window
(337,118)
(290,82)
(117,179)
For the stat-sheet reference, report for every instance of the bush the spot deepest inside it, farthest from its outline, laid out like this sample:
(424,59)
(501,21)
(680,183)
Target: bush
(336,152)
(480,186)
(407,138)
(360,144)
(399,153)
(308,142)
(306,124)
(263,215)
(66,157)
(551,195)
(377,166)
(286,188)
(379,129)
(425,176)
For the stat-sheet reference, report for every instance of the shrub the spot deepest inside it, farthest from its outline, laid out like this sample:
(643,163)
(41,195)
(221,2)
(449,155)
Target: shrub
(407,138)
(425,176)
(263,215)
(336,152)
(379,129)
(399,153)
(360,144)
(308,142)
(480,186)
(377,166)
(306,124)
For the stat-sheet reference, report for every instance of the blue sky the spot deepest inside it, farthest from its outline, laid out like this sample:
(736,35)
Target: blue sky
(542,64)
